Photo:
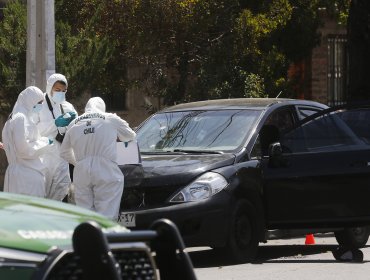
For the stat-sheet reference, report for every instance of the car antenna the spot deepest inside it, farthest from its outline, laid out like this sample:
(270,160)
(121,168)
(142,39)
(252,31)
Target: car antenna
(279,94)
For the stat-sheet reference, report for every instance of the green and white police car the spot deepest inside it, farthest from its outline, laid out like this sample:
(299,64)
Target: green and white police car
(39,237)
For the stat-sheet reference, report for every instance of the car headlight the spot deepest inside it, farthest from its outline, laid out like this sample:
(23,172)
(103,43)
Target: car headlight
(203,187)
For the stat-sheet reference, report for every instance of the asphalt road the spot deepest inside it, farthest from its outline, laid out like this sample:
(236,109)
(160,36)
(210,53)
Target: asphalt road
(284,259)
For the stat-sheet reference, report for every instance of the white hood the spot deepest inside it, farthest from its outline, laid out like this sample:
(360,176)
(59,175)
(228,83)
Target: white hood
(27,99)
(95,104)
(52,80)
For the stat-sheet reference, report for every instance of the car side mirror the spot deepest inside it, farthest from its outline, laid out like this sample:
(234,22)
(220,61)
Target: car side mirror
(275,150)
(275,155)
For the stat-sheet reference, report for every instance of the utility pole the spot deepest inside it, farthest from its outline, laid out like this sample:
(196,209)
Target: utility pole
(40,42)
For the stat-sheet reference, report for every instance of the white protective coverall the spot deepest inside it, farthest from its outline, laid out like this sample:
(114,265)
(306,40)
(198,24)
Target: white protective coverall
(58,180)
(90,145)
(24,147)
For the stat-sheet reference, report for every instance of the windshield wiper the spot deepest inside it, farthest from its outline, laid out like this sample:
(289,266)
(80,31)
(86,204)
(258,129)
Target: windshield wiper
(155,152)
(197,151)
(182,151)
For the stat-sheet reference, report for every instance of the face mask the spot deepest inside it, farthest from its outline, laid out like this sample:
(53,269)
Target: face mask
(37,108)
(59,96)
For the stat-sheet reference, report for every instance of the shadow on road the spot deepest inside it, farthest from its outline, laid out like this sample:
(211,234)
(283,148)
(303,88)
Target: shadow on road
(270,253)
(266,254)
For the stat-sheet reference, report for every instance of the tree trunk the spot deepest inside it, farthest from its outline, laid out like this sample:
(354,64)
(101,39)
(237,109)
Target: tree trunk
(359,50)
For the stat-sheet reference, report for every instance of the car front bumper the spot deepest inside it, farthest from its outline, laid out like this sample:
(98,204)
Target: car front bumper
(203,223)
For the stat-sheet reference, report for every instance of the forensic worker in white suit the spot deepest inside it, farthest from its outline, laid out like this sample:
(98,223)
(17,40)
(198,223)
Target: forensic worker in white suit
(52,121)
(24,147)
(90,145)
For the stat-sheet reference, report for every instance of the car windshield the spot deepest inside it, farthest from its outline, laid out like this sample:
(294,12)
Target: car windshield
(196,131)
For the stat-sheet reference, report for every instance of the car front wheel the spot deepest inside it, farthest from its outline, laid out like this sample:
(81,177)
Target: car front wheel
(356,237)
(242,243)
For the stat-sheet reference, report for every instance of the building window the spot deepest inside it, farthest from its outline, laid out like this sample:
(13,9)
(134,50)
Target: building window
(337,69)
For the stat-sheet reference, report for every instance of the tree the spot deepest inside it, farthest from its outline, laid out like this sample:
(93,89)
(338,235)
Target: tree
(185,49)
(81,54)
(13,47)
(194,49)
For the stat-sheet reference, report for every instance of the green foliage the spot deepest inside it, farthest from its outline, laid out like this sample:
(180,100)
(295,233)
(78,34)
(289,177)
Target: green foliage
(82,54)
(337,8)
(83,58)
(194,49)
(254,86)
(13,46)
(181,50)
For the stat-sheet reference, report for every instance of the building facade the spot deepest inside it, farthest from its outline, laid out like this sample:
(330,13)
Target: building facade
(323,77)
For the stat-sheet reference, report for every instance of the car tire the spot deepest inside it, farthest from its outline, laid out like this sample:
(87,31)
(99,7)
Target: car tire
(242,243)
(356,237)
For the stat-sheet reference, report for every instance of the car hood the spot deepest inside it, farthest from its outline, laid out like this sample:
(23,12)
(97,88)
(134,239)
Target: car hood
(178,169)
(36,224)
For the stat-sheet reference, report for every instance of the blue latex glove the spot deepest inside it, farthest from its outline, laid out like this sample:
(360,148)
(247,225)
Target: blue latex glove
(50,141)
(61,121)
(73,115)
(65,119)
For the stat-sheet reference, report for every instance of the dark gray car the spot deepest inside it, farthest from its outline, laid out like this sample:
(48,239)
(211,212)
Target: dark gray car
(229,171)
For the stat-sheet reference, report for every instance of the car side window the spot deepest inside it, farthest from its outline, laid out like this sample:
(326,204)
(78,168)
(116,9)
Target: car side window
(282,119)
(256,150)
(359,122)
(275,125)
(330,132)
(304,112)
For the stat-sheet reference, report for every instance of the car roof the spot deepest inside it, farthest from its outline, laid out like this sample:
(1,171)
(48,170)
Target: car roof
(239,103)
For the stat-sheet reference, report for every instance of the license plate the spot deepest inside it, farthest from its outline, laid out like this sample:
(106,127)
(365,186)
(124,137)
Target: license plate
(127,219)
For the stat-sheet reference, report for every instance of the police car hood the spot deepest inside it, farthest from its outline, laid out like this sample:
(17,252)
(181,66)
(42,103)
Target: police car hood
(36,224)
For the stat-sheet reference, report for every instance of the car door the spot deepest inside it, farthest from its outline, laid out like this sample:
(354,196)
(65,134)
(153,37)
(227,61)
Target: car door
(322,176)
